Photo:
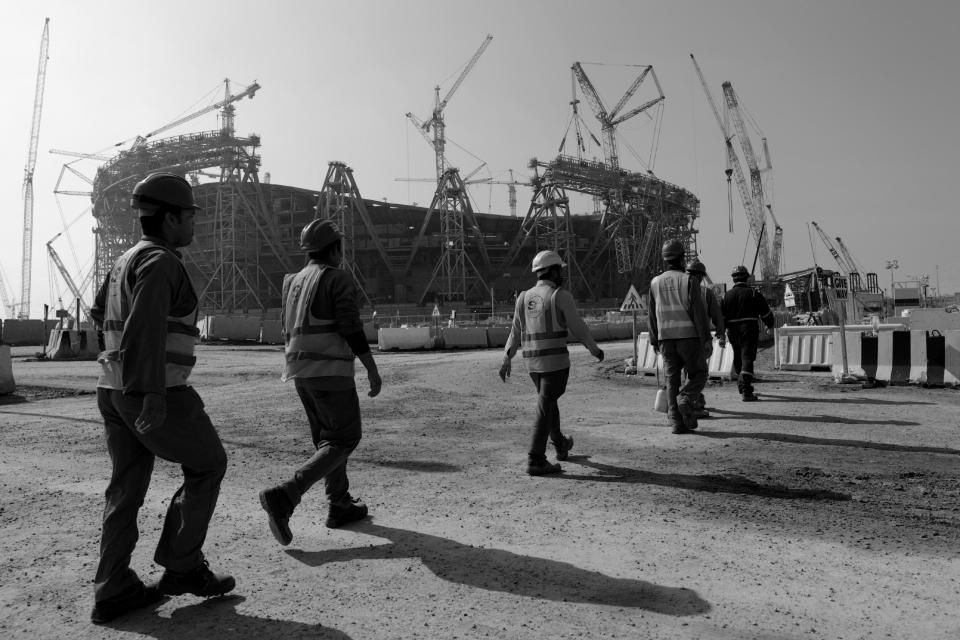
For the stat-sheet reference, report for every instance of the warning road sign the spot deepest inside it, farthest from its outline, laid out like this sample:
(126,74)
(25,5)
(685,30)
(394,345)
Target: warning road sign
(436,311)
(632,301)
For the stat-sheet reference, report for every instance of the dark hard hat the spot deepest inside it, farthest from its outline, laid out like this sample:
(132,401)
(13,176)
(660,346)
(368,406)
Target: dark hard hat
(162,192)
(319,234)
(672,250)
(697,267)
(740,273)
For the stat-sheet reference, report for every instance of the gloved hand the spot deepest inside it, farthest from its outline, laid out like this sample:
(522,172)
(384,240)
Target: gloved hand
(598,355)
(708,349)
(723,343)
(656,348)
(505,370)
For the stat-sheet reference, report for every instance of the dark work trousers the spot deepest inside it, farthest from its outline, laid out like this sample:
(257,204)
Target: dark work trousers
(188,438)
(684,355)
(334,418)
(743,338)
(550,386)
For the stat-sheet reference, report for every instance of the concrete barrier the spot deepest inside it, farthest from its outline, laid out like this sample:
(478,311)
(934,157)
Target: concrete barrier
(7,384)
(405,339)
(621,330)
(497,337)
(463,338)
(599,331)
(230,327)
(943,359)
(896,357)
(69,344)
(271,331)
(21,333)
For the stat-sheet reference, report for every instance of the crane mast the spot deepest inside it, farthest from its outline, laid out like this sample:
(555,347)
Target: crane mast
(769,264)
(28,174)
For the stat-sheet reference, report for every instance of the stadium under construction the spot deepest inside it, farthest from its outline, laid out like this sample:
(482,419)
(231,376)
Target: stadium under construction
(248,230)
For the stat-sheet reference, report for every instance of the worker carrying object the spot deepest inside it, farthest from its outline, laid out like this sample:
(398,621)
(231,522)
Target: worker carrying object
(322,335)
(146,309)
(680,333)
(541,319)
(742,307)
(698,271)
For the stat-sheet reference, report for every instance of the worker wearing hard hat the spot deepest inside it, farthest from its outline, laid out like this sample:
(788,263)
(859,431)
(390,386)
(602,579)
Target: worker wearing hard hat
(323,334)
(541,319)
(698,272)
(147,311)
(742,307)
(680,333)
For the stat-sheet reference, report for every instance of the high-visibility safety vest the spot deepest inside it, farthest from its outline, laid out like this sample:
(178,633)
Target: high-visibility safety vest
(313,348)
(671,294)
(544,339)
(182,332)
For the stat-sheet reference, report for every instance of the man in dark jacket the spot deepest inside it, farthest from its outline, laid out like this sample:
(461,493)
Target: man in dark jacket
(742,307)
(323,334)
(698,272)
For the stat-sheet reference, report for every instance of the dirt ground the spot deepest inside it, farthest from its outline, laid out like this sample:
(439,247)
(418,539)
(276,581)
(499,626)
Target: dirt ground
(819,512)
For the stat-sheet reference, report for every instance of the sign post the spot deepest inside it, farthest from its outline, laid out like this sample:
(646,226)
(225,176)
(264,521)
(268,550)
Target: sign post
(632,303)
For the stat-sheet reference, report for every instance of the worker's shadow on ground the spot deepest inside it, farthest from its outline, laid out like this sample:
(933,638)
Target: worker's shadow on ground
(827,442)
(218,619)
(713,483)
(855,400)
(508,572)
(818,418)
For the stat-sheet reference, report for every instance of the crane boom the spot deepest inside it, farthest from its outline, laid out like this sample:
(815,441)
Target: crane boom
(230,99)
(74,289)
(832,249)
(8,307)
(466,70)
(28,174)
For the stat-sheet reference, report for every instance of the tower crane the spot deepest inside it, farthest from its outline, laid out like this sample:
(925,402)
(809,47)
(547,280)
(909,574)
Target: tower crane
(28,174)
(436,122)
(74,289)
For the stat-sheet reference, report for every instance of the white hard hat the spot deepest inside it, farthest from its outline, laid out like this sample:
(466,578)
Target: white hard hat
(546,259)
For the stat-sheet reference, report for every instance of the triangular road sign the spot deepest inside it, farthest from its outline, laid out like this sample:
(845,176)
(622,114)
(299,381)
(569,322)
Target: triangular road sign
(632,301)
(436,311)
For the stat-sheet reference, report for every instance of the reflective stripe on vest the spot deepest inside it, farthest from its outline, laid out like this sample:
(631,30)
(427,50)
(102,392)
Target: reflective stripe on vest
(313,348)
(182,332)
(544,339)
(670,290)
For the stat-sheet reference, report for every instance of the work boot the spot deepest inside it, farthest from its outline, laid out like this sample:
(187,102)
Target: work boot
(277,505)
(199,581)
(563,447)
(345,511)
(679,429)
(541,467)
(107,610)
(701,413)
(750,397)
(688,414)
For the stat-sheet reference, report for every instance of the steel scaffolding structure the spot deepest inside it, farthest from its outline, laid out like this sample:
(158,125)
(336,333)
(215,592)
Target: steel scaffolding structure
(240,249)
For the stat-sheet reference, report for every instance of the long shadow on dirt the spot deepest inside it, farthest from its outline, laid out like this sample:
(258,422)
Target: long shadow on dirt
(827,442)
(712,483)
(50,415)
(498,570)
(820,419)
(857,400)
(218,619)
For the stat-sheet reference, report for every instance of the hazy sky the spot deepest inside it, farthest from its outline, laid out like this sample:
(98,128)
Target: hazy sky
(856,98)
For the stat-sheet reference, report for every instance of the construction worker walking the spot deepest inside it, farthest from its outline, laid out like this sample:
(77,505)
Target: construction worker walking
(680,333)
(742,307)
(147,311)
(698,272)
(323,333)
(541,319)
